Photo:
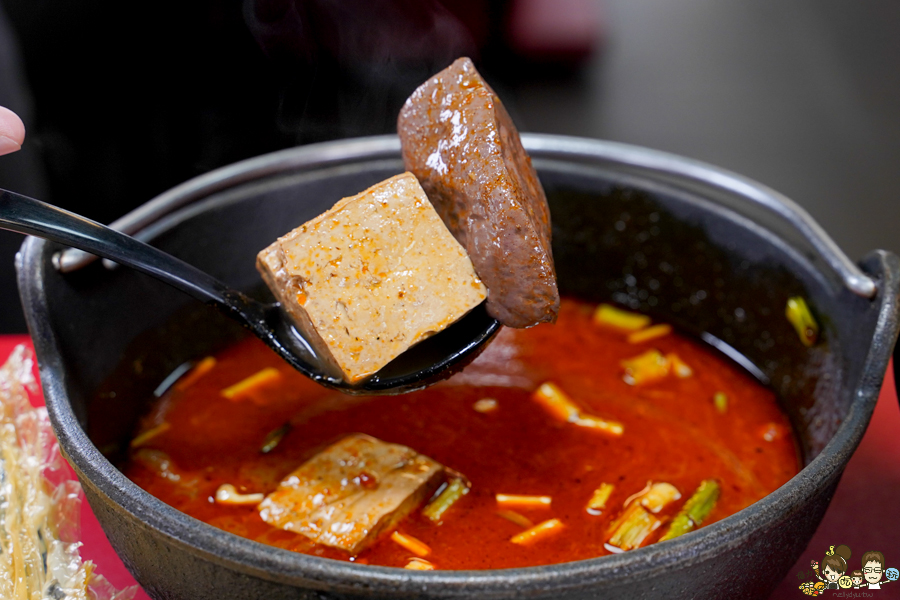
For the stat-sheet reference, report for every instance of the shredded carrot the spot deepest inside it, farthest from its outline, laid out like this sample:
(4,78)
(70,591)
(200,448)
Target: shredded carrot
(651,333)
(520,520)
(598,501)
(415,546)
(524,501)
(611,316)
(611,427)
(538,532)
(146,436)
(419,564)
(252,383)
(558,404)
(203,367)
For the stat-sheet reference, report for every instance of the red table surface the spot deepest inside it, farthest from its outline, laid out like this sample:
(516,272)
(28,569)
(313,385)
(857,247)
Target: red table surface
(864,514)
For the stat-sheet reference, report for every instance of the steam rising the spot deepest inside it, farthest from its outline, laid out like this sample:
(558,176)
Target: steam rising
(347,66)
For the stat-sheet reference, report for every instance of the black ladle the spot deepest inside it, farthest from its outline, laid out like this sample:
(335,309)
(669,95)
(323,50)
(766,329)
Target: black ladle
(428,362)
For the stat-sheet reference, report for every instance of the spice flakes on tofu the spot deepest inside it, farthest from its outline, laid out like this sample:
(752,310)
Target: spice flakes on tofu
(349,493)
(371,277)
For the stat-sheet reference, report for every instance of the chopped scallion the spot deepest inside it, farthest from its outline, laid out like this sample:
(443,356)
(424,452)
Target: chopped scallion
(514,517)
(720,400)
(144,437)
(632,527)
(695,510)
(659,496)
(598,501)
(651,333)
(538,532)
(798,313)
(274,438)
(415,546)
(456,489)
(252,383)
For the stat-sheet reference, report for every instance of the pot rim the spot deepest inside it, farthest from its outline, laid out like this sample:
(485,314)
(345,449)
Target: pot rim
(279,565)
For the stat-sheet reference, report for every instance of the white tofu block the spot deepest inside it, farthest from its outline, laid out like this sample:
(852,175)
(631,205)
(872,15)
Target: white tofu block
(374,275)
(351,492)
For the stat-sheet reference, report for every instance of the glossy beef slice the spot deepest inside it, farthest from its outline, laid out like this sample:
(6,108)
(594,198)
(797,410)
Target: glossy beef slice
(461,144)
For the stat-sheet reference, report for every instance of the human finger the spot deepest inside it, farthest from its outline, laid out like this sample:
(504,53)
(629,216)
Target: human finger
(12,131)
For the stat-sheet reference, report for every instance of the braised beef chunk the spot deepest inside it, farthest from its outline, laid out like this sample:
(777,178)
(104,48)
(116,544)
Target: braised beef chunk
(461,144)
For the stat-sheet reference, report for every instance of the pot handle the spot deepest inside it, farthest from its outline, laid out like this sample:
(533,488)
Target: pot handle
(539,145)
(747,190)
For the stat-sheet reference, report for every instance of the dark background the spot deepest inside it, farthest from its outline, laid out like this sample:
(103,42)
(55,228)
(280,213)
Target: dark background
(123,101)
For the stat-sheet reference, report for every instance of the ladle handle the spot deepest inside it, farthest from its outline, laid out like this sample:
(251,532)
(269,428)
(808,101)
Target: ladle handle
(33,217)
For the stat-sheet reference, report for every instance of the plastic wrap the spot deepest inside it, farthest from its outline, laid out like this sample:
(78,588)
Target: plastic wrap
(40,504)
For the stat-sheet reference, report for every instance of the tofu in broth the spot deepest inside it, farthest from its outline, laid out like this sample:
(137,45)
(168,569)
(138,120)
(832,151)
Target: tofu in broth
(352,491)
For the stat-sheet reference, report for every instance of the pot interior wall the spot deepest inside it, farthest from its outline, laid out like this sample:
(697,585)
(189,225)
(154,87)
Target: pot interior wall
(654,246)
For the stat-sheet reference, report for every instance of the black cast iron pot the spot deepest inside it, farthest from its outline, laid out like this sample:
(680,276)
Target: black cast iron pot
(709,251)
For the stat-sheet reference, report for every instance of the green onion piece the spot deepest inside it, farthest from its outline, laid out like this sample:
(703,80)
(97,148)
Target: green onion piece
(514,517)
(695,510)
(659,496)
(630,530)
(721,402)
(798,313)
(274,438)
(455,490)
(598,501)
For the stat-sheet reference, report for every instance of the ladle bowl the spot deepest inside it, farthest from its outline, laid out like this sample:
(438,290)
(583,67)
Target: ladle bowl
(435,359)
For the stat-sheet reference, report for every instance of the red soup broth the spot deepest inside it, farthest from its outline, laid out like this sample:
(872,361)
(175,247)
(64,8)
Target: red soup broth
(674,432)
